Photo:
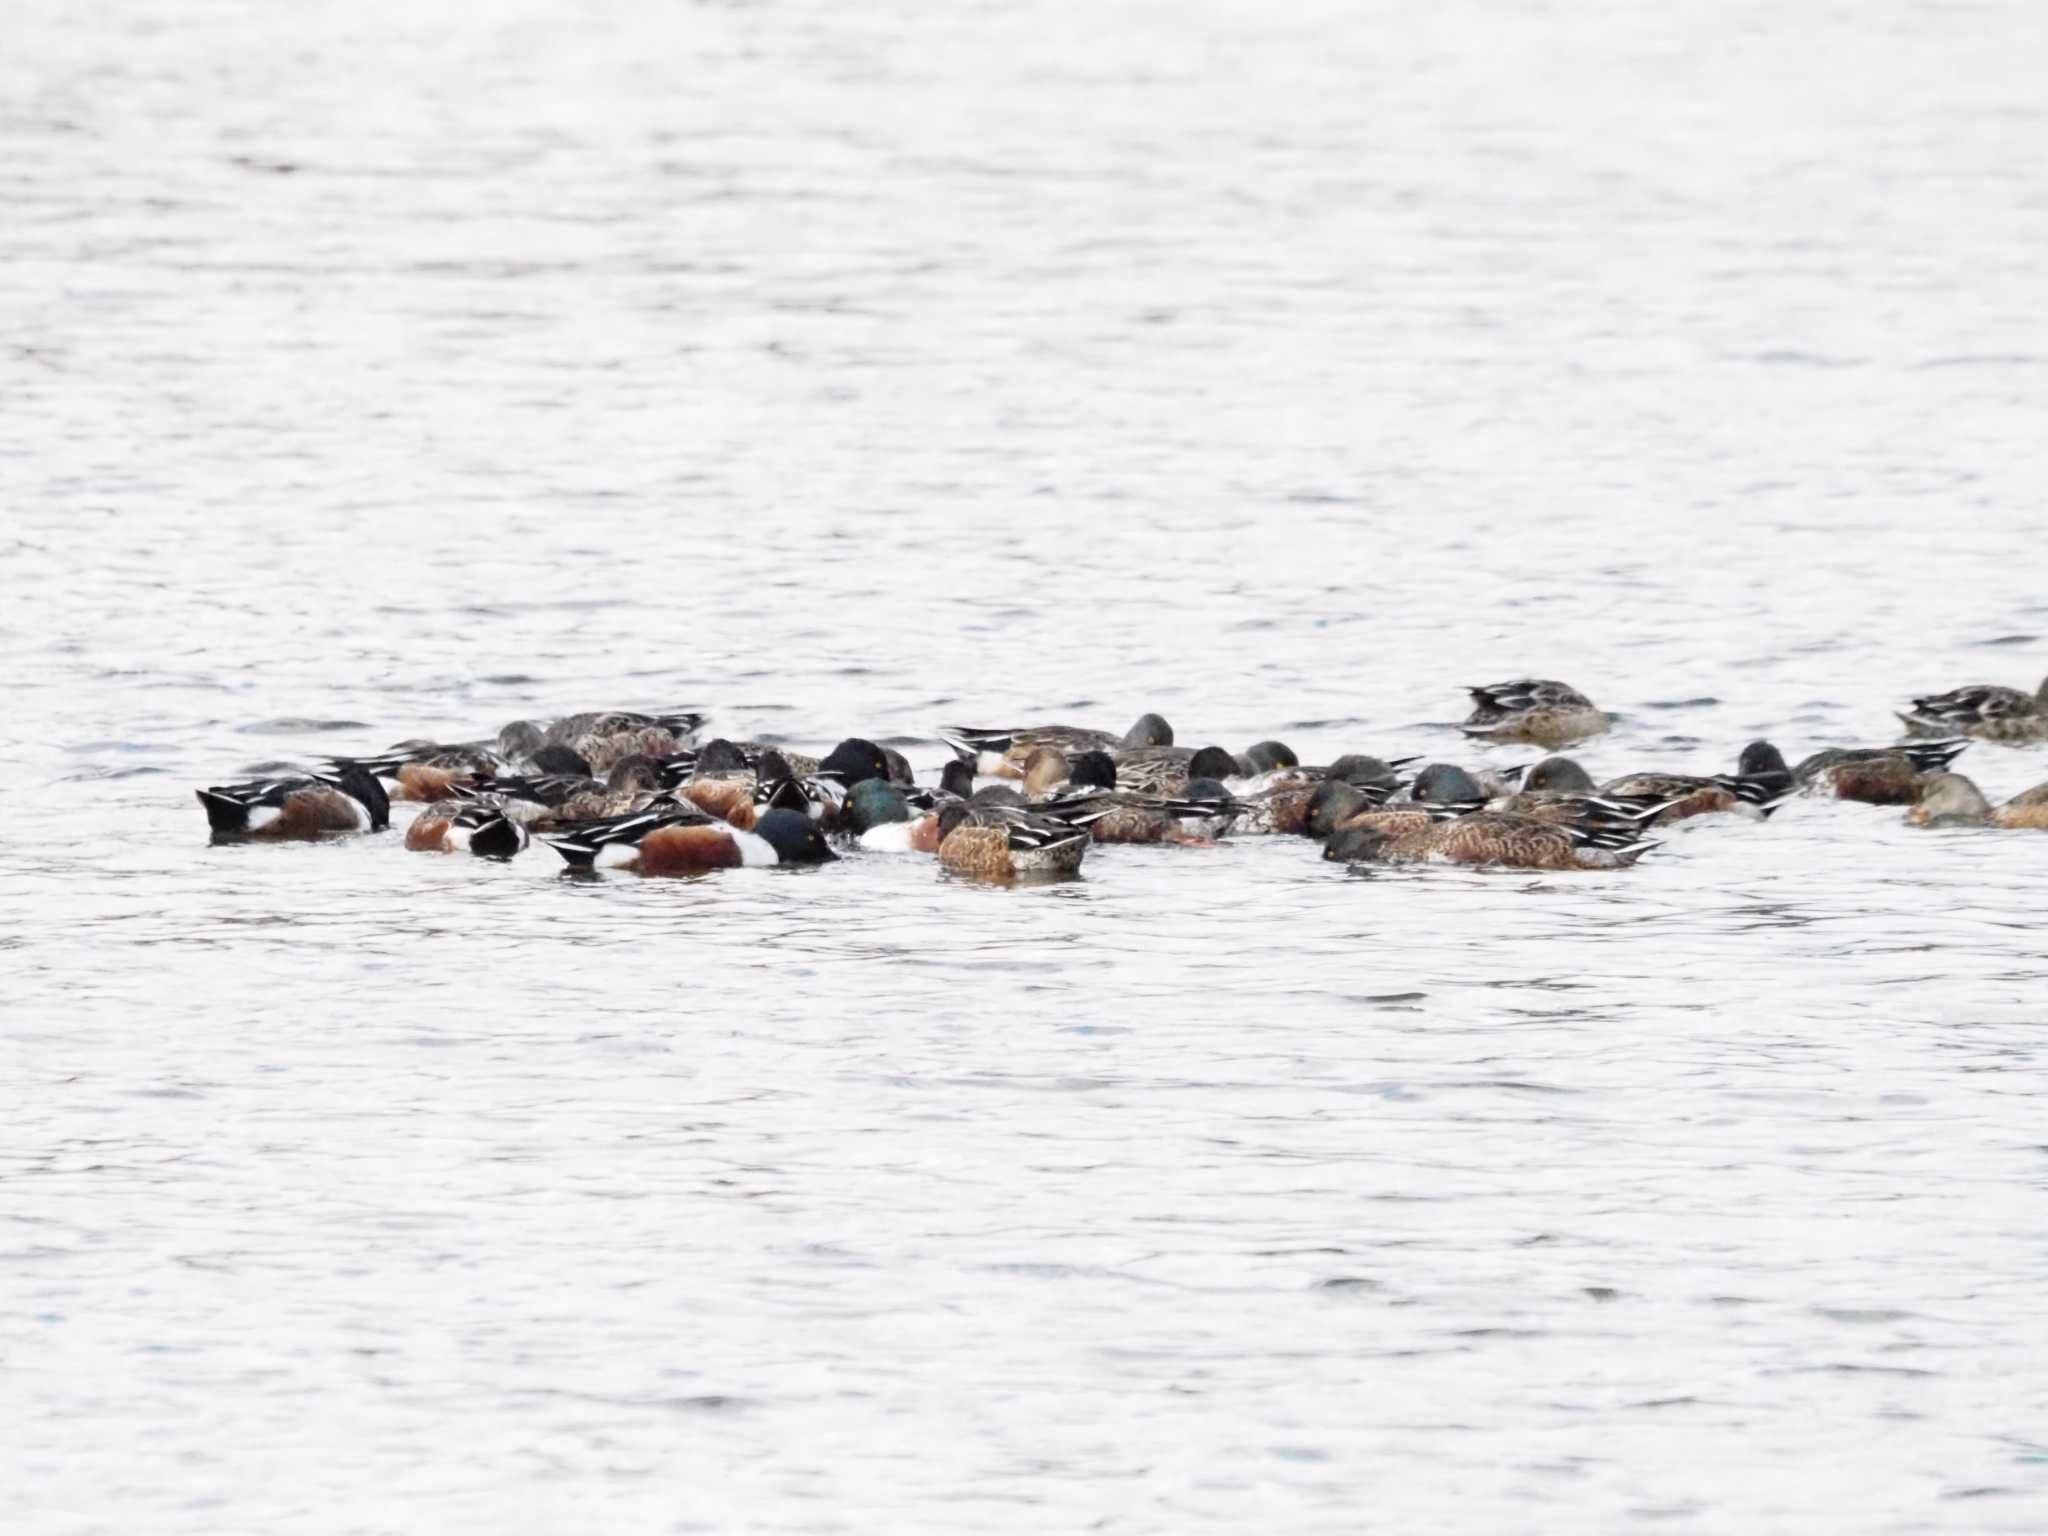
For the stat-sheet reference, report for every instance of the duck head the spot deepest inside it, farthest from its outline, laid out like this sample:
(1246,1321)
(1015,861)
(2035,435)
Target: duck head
(1950,800)
(794,837)
(1150,731)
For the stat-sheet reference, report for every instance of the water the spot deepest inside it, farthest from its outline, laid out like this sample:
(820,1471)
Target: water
(377,370)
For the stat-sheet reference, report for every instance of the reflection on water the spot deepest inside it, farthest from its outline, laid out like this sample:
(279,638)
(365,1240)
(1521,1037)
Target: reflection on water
(374,371)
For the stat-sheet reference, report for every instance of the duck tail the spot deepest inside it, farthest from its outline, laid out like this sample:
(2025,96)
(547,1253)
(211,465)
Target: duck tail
(1762,792)
(1445,810)
(496,836)
(1622,815)
(968,743)
(224,813)
(1613,839)
(579,853)
(1772,800)
(384,765)
(1934,756)
(676,770)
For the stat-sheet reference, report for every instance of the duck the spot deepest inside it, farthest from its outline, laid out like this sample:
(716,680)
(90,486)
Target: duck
(677,839)
(1878,775)
(1951,800)
(1001,752)
(602,737)
(1157,771)
(1282,803)
(1169,770)
(956,780)
(1000,842)
(1539,711)
(1445,792)
(548,799)
(722,777)
(518,740)
(856,760)
(1444,789)
(427,771)
(1760,784)
(1555,775)
(1441,789)
(742,799)
(1084,794)
(484,830)
(1048,770)
(1265,757)
(298,805)
(819,789)
(1445,822)
(880,818)
(748,760)
(1985,711)
(1488,839)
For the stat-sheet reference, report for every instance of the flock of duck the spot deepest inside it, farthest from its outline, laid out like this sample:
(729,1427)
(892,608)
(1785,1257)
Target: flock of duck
(637,792)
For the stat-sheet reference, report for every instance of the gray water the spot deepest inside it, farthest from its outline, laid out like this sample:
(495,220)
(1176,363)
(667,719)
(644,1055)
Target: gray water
(374,370)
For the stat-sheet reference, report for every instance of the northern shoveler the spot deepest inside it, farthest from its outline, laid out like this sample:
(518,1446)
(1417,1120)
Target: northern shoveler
(602,737)
(1263,757)
(720,758)
(298,806)
(546,799)
(743,798)
(1169,770)
(484,830)
(1444,792)
(427,771)
(1282,799)
(721,778)
(1002,751)
(1048,770)
(854,761)
(682,840)
(1080,797)
(1445,789)
(1536,710)
(520,739)
(1878,775)
(1556,776)
(1485,838)
(1359,784)
(880,819)
(1195,818)
(1983,710)
(999,842)
(1760,784)
(1951,800)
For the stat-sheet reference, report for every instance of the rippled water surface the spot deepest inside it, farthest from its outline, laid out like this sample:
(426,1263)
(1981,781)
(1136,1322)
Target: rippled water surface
(376,370)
